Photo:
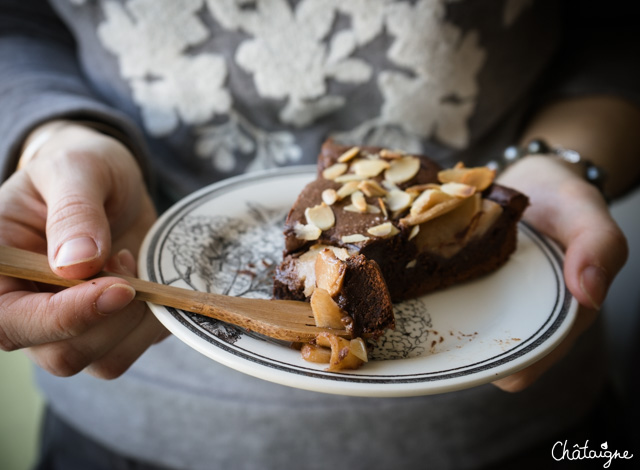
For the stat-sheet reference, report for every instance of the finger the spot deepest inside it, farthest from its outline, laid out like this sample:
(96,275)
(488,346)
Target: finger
(123,263)
(68,357)
(28,319)
(117,360)
(596,248)
(572,211)
(22,214)
(74,190)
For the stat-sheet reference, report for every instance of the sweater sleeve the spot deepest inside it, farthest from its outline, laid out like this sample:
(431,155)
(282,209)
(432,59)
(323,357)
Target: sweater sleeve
(40,80)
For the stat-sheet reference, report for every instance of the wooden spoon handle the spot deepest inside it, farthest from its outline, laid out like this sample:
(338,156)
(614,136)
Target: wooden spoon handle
(281,319)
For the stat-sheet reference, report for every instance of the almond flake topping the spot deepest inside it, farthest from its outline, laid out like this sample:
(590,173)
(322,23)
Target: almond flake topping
(389,186)
(348,177)
(478,177)
(402,169)
(386,229)
(349,154)
(329,196)
(429,199)
(307,232)
(371,209)
(429,205)
(388,154)
(355,238)
(358,200)
(321,216)
(335,170)
(458,189)
(398,200)
(369,168)
(347,189)
(383,207)
(417,189)
(371,188)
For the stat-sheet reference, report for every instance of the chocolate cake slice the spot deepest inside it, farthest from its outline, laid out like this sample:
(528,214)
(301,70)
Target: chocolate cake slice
(401,223)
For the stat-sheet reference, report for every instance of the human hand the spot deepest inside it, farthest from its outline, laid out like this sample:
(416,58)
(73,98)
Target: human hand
(573,212)
(82,201)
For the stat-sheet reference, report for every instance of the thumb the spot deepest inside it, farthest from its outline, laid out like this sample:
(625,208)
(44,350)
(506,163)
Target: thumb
(574,213)
(595,247)
(596,251)
(78,233)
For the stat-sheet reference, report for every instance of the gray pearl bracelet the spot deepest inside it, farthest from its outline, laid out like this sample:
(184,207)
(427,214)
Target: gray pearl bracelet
(592,173)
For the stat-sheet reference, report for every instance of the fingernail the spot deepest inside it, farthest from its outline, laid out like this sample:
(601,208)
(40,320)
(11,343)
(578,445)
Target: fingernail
(115,298)
(594,283)
(76,251)
(127,262)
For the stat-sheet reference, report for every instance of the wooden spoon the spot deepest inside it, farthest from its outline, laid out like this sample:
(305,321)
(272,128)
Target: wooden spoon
(286,320)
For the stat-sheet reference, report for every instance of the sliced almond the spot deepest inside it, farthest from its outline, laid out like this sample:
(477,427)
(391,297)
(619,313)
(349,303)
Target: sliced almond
(432,213)
(307,232)
(369,168)
(429,199)
(359,201)
(349,154)
(326,312)
(389,186)
(383,207)
(372,188)
(347,177)
(414,231)
(384,230)
(371,209)
(335,170)
(398,200)
(388,154)
(411,264)
(321,216)
(402,169)
(458,189)
(329,272)
(351,208)
(420,188)
(329,196)
(429,205)
(347,189)
(478,177)
(354,238)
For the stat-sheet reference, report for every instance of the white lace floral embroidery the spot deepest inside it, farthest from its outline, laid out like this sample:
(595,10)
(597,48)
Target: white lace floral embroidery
(293,51)
(437,94)
(238,135)
(287,55)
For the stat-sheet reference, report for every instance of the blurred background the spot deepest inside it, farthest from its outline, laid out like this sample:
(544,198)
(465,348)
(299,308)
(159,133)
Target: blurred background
(21,405)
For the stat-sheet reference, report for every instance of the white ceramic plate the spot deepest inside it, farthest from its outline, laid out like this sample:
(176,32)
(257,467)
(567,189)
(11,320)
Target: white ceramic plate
(227,238)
